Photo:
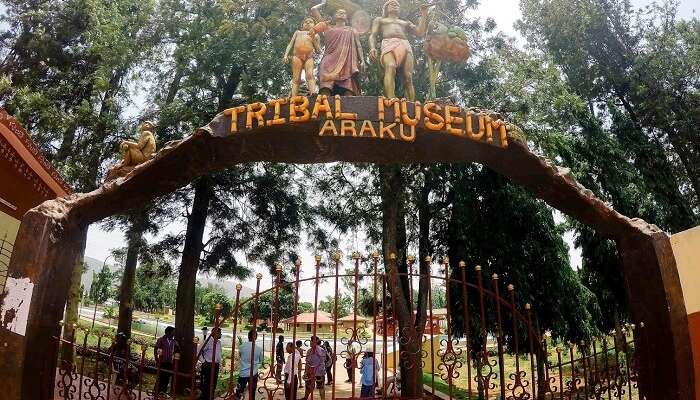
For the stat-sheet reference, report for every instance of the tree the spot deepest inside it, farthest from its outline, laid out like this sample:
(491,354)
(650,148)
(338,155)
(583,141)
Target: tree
(64,79)
(210,301)
(102,288)
(265,304)
(154,287)
(208,68)
(345,304)
(644,91)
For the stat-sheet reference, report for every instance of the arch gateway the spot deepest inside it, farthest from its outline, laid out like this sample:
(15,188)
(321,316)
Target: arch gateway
(321,130)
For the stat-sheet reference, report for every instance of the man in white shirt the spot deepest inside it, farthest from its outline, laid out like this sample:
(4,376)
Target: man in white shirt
(251,357)
(291,372)
(211,356)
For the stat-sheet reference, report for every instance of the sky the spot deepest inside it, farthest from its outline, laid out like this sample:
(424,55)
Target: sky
(504,12)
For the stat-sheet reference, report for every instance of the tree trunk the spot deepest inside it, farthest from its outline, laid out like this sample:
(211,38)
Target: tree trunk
(126,291)
(184,309)
(73,304)
(410,342)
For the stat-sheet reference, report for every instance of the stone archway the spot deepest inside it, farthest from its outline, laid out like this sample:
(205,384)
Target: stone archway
(367,129)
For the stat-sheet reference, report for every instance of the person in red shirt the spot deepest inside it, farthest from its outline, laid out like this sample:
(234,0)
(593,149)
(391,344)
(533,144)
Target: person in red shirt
(165,350)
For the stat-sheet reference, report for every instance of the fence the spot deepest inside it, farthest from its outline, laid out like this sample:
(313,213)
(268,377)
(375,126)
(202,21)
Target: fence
(487,350)
(5,252)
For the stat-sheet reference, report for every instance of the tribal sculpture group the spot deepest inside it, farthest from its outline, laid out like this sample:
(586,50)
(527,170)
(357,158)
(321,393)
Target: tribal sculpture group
(343,57)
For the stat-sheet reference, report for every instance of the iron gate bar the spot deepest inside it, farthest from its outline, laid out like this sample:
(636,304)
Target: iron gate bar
(430,316)
(395,322)
(375,259)
(314,343)
(449,353)
(356,257)
(385,327)
(335,326)
(499,338)
(467,326)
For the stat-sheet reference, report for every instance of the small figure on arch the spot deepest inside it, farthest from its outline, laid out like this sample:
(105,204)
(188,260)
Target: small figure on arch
(302,48)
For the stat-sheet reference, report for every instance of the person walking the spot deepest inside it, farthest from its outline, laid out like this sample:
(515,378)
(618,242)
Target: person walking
(291,373)
(330,361)
(279,358)
(368,375)
(315,369)
(251,357)
(164,351)
(211,362)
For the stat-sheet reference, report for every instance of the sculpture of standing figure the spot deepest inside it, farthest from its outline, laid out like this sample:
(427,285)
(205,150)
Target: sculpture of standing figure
(342,57)
(304,46)
(396,52)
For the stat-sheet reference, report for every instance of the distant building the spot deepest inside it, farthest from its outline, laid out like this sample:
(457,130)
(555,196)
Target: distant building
(349,322)
(441,313)
(388,327)
(305,322)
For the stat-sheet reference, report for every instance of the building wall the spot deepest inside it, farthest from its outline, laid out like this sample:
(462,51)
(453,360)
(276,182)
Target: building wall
(431,359)
(349,324)
(686,249)
(8,232)
(306,329)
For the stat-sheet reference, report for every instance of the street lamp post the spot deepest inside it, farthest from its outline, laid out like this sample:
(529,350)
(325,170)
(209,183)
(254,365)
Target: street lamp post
(94,312)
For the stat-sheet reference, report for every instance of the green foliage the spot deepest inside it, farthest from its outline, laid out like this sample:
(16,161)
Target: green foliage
(154,288)
(110,312)
(265,303)
(210,301)
(102,287)
(68,80)
(501,227)
(345,304)
(439,297)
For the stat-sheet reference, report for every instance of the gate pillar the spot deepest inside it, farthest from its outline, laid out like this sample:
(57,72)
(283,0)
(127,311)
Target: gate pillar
(656,299)
(47,247)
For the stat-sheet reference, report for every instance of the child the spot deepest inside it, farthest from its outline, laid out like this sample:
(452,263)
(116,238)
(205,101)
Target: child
(305,46)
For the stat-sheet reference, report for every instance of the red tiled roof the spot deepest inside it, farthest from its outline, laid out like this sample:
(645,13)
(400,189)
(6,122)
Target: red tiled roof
(322,317)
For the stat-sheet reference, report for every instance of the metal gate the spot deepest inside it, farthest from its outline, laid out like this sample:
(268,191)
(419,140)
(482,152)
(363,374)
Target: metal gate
(486,350)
